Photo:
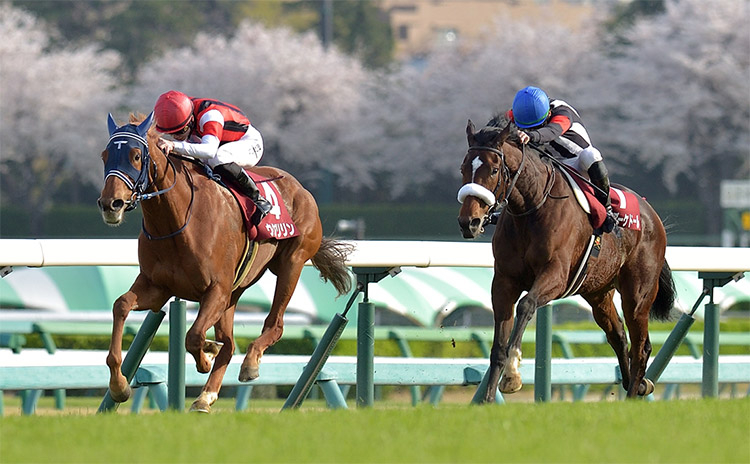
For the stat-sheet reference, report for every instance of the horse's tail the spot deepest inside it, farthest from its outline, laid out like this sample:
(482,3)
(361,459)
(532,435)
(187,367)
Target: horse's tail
(665,296)
(330,260)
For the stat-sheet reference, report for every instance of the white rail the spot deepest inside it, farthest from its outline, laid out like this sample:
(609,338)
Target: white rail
(368,253)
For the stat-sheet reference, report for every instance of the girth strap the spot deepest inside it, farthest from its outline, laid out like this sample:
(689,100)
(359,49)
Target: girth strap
(580,274)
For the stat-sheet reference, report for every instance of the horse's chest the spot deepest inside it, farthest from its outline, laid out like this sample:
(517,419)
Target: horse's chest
(183,276)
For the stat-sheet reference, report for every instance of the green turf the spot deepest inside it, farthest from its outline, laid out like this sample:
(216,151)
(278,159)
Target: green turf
(682,431)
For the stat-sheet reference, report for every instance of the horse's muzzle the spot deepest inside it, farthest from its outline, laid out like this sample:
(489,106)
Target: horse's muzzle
(470,227)
(112,210)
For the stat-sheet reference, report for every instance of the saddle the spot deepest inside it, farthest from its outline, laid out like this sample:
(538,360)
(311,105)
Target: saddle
(624,204)
(277,224)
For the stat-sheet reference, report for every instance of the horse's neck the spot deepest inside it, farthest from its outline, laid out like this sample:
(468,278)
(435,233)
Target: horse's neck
(167,212)
(529,190)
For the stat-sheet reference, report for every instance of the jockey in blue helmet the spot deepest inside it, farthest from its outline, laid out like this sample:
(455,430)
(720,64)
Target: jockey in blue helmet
(559,126)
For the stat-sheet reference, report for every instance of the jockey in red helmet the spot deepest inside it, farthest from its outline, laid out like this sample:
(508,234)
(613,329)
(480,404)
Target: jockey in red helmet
(216,133)
(559,125)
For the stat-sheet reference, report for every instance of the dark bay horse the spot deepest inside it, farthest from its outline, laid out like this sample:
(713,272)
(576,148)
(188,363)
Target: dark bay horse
(191,245)
(539,242)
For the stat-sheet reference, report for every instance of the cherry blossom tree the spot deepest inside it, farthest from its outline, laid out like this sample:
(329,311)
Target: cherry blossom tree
(51,125)
(300,96)
(420,115)
(676,97)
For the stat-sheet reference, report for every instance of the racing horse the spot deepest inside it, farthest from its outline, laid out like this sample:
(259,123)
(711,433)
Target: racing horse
(539,244)
(192,242)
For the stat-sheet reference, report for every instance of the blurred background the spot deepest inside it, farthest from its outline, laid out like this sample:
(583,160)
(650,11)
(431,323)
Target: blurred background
(366,102)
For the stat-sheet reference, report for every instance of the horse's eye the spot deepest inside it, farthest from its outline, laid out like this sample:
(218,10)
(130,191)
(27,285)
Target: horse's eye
(495,171)
(138,157)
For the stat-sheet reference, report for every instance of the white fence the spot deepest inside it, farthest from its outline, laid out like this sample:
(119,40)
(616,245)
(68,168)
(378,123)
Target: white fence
(371,253)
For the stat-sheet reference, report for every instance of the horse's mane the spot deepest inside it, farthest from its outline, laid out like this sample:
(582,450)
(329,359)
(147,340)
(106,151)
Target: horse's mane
(498,122)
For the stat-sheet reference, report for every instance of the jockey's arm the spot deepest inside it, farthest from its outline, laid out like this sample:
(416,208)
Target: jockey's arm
(204,150)
(558,124)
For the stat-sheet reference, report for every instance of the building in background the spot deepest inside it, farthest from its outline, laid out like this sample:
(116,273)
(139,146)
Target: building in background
(421,25)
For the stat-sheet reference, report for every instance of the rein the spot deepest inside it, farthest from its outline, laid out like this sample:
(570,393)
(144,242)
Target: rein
(163,191)
(501,203)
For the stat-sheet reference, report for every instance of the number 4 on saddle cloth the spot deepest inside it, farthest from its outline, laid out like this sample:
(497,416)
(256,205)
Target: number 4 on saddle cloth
(277,224)
(624,204)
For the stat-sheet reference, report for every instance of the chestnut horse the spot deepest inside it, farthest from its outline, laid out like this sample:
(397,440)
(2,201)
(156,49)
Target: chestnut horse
(538,245)
(191,245)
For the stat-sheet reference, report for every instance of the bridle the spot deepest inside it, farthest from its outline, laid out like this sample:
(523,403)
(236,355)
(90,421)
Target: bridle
(122,139)
(501,202)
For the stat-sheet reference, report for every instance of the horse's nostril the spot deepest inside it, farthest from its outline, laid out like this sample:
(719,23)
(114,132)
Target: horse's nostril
(476,222)
(117,204)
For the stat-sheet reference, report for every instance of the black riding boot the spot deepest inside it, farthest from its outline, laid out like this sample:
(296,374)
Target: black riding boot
(599,177)
(247,184)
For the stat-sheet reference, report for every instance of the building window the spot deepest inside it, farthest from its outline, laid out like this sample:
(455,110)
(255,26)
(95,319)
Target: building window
(403,32)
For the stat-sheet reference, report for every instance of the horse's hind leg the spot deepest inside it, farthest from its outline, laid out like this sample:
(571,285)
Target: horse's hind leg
(273,327)
(142,295)
(605,315)
(637,297)
(224,330)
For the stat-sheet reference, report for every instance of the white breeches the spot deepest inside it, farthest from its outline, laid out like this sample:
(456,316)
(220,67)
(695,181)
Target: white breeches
(584,160)
(246,151)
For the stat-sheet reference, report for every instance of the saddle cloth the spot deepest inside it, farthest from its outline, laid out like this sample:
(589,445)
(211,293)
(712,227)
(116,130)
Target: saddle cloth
(277,224)
(624,204)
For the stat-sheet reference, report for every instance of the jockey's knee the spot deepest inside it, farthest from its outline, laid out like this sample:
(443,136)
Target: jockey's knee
(588,157)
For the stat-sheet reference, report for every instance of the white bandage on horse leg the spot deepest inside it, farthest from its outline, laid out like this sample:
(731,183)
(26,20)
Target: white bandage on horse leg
(514,362)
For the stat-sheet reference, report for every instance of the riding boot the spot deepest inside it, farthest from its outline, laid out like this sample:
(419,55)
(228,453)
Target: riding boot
(600,179)
(248,186)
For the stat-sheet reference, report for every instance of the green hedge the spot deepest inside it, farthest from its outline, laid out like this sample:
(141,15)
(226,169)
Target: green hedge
(382,221)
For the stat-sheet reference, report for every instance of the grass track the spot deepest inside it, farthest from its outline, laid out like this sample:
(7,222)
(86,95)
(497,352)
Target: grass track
(682,431)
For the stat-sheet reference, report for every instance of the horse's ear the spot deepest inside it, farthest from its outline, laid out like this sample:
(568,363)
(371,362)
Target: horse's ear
(111,124)
(505,132)
(470,132)
(145,125)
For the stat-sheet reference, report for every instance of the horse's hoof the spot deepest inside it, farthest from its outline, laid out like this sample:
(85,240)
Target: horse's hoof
(646,387)
(249,373)
(120,396)
(510,384)
(200,406)
(212,348)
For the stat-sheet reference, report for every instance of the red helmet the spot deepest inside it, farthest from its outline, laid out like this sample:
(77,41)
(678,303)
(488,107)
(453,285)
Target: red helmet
(172,111)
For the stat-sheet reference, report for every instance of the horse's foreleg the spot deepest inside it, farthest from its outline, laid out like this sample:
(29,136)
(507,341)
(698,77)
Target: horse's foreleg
(273,327)
(140,296)
(503,298)
(547,286)
(511,381)
(119,389)
(213,305)
(225,335)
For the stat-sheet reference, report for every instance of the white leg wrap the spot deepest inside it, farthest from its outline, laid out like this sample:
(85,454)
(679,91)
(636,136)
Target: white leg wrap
(514,362)
(208,397)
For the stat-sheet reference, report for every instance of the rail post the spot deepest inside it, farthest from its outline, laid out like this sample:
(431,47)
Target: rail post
(177,351)
(318,359)
(366,333)
(543,355)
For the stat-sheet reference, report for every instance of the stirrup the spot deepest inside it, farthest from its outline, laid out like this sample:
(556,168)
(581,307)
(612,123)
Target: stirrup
(263,206)
(610,221)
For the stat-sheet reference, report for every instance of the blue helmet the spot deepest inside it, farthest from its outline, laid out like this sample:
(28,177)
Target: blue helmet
(530,107)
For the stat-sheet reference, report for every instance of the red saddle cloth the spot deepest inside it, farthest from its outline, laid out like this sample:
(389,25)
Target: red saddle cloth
(277,224)
(625,204)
